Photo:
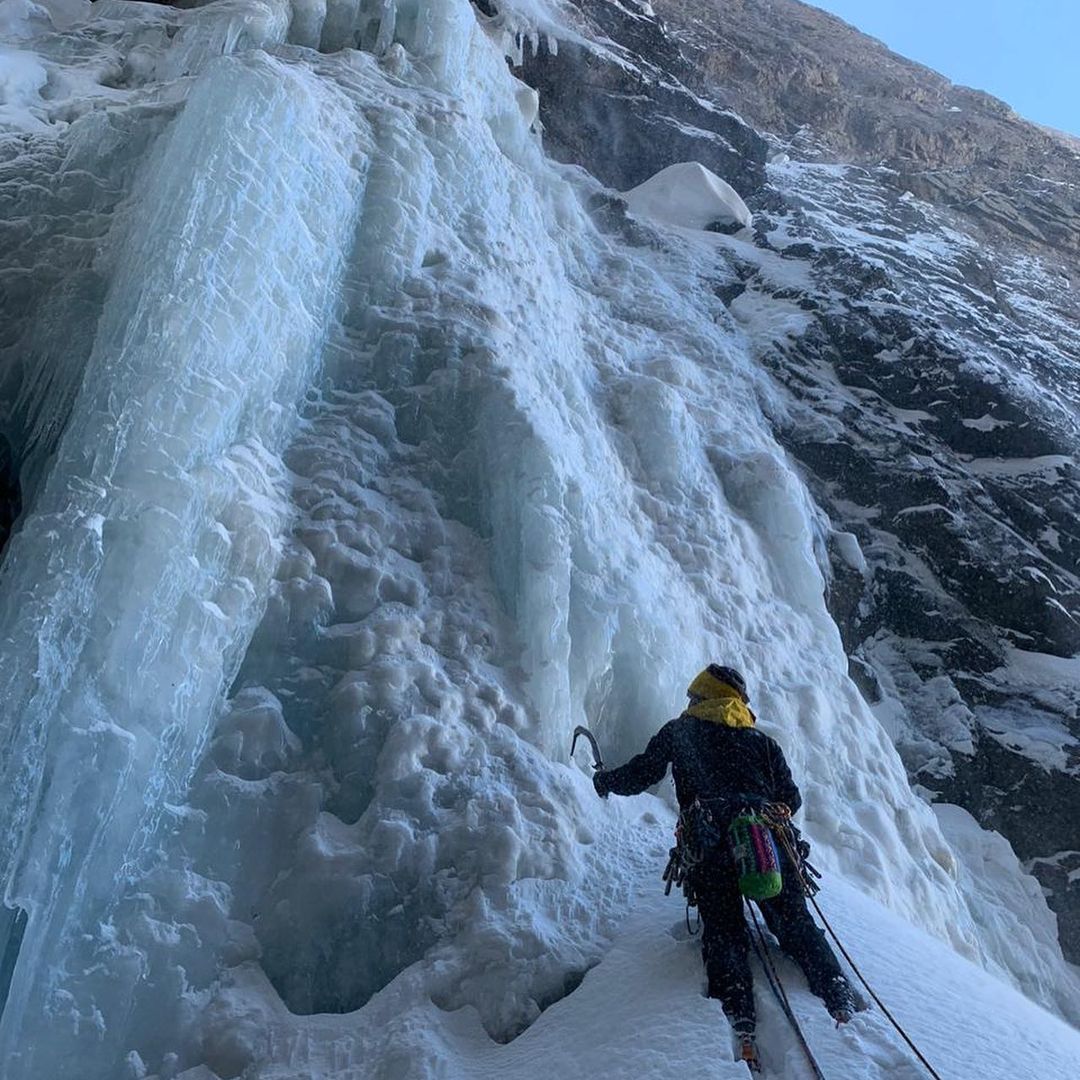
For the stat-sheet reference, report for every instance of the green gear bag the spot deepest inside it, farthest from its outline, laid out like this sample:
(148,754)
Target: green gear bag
(757,859)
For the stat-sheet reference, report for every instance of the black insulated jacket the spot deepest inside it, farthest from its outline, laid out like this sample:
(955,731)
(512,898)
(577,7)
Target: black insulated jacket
(709,761)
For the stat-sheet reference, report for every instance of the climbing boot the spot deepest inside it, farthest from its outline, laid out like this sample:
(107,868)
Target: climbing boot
(747,1050)
(841,1015)
(840,1001)
(745,1044)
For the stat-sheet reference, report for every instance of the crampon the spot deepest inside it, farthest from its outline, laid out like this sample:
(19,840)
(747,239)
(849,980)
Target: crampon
(746,1048)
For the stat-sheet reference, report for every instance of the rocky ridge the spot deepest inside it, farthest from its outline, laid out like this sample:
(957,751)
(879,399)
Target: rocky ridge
(794,70)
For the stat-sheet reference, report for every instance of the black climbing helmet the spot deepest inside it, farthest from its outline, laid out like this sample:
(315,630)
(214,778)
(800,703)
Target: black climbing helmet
(729,676)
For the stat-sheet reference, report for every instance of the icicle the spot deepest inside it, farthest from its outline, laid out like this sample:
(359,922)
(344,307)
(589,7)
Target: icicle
(387,24)
(307,22)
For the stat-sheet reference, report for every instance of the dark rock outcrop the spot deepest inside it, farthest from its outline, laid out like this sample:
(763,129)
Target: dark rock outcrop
(10,496)
(935,420)
(622,108)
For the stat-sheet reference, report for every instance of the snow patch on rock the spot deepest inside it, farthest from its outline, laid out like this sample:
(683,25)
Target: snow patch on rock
(690,196)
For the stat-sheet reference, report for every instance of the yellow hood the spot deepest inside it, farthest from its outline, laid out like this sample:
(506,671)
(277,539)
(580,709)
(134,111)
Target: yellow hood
(722,705)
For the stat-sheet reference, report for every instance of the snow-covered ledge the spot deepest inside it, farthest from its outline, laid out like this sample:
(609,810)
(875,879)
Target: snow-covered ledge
(690,196)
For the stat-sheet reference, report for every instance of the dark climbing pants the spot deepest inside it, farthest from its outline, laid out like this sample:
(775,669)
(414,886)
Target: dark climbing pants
(725,941)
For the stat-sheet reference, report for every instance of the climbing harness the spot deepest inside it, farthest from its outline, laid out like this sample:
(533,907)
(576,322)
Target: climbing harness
(701,835)
(750,839)
(785,832)
(698,833)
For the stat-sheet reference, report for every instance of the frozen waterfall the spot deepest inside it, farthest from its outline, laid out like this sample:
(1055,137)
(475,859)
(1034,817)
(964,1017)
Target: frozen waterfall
(363,451)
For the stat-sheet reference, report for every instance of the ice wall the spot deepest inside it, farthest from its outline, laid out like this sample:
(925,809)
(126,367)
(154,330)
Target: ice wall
(134,584)
(382,452)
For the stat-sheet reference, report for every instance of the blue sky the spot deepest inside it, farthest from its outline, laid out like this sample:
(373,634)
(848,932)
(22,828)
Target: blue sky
(1022,51)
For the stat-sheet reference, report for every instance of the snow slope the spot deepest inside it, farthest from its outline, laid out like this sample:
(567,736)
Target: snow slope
(640,1012)
(364,451)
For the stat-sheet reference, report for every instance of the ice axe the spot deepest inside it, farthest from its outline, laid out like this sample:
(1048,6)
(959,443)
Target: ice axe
(598,761)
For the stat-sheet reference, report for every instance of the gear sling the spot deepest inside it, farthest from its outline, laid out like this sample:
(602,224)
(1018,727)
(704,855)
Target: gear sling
(702,837)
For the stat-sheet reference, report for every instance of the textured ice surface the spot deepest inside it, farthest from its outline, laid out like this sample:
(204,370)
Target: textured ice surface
(360,464)
(137,578)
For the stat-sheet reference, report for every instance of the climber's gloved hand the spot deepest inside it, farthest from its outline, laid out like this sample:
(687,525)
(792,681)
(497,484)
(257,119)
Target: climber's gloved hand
(600,782)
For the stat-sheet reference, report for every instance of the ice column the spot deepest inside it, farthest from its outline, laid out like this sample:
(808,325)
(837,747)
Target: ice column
(128,597)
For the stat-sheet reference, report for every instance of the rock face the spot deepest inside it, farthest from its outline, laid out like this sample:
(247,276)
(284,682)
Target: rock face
(10,502)
(910,289)
(793,70)
(624,110)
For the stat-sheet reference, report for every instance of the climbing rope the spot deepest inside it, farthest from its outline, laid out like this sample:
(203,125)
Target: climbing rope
(782,828)
(757,939)
(870,990)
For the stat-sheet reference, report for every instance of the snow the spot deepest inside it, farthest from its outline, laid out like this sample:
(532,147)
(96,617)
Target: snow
(688,195)
(21,78)
(641,1012)
(23,19)
(990,874)
(23,74)
(1050,537)
(766,321)
(986,422)
(1006,467)
(848,546)
(360,465)
(1037,732)
(1043,668)
(1037,736)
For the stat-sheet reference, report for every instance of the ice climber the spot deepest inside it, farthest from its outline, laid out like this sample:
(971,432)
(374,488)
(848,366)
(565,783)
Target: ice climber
(718,759)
